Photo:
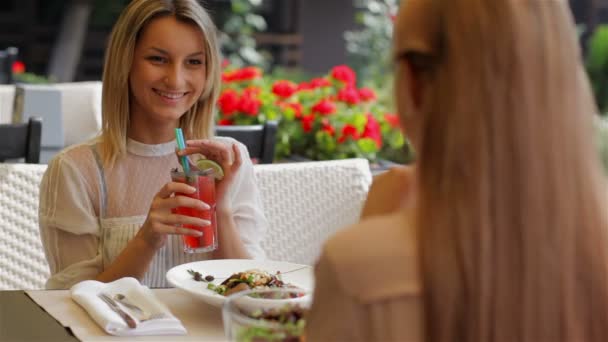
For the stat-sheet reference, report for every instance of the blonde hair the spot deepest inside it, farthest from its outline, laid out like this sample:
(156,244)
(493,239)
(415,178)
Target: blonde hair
(198,121)
(512,220)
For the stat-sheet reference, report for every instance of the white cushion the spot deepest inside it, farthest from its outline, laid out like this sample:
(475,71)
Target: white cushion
(305,203)
(81,107)
(22,261)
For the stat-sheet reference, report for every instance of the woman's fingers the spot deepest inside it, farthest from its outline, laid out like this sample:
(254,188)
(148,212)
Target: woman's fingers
(165,229)
(172,187)
(238,160)
(177,219)
(159,221)
(211,149)
(181,201)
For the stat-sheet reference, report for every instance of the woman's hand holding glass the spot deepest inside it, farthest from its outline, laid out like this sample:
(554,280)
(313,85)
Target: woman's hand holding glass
(229,158)
(162,221)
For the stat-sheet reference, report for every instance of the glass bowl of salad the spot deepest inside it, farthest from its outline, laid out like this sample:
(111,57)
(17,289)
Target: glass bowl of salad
(266,315)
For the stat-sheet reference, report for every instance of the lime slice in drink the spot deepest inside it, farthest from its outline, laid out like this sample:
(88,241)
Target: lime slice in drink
(204,164)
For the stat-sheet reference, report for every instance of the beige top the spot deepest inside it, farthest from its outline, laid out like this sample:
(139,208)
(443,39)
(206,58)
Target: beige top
(367,284)
(88,213)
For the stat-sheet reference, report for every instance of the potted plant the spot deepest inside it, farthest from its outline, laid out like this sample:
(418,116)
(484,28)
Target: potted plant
(322,118)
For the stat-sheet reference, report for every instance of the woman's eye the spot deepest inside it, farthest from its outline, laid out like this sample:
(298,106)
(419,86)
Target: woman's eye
(156,59)
(195,62)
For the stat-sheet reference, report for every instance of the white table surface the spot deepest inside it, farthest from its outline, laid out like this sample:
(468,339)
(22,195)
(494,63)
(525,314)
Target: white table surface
(203,321)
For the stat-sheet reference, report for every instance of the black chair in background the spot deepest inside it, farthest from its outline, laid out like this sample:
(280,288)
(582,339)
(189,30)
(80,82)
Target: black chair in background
(8,56)
(259,139)
(21,140)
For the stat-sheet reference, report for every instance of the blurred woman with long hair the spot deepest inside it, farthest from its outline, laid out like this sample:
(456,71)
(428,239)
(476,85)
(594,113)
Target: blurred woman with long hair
(502,235)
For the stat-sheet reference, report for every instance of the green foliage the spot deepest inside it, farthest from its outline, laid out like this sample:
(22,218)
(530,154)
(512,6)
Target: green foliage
(31,78)
(369,47)
(597,66)
(320,118)
(236,34)
(369,51)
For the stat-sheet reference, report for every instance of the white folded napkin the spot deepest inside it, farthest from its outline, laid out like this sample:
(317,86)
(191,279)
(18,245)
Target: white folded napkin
(86,294)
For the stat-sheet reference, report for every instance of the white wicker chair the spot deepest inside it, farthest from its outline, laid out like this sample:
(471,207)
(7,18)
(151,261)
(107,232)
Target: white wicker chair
(307,202)
(304,202)
(22,261)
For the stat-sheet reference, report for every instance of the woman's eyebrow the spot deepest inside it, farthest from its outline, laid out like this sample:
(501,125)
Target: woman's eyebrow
(165,52)
(159,50)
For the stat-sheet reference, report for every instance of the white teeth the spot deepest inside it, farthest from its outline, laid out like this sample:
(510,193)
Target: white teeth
(172,96)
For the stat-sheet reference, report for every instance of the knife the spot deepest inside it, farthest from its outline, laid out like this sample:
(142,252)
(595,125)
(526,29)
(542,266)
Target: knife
(114,306)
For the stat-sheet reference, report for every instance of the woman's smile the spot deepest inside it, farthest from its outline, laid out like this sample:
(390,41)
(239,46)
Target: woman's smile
(170,96)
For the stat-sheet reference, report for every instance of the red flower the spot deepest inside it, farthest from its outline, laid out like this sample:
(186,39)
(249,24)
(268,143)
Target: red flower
(324,107)
(284,88)
(249,73)
(228,102)
(224,122)
(392,119)
(349,95)
(367,94)
(18,67)
(244,74)
(319,82)
(249,105)
(227,76)
(345,74)
(252,91)
(327,127)
(297,108)
(303,86)
(314,84)
(225,63)
(372,130)
(348,131)
(307,122)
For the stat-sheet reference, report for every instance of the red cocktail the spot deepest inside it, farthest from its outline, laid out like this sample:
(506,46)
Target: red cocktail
(204,182)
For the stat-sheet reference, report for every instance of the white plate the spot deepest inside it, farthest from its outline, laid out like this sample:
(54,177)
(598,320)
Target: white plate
(301,276)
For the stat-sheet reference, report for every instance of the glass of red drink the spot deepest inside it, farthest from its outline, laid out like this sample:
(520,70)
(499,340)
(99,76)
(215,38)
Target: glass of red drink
(204,183)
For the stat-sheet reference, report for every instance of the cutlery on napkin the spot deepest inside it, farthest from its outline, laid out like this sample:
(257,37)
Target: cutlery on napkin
(114,306)
(114,319)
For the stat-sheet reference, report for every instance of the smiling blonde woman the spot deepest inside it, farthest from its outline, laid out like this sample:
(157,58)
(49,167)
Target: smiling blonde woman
(503,234)
(106,205)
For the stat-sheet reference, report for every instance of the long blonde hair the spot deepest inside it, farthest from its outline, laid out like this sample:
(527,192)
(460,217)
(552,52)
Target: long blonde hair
(198,121)
(513,206)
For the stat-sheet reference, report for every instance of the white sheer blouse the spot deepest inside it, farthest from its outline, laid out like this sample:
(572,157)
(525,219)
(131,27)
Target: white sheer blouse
(88,214)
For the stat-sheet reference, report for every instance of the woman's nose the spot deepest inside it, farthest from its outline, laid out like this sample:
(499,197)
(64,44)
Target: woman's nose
(175,77)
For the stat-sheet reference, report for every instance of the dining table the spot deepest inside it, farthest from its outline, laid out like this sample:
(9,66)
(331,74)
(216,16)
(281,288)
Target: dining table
(52,315)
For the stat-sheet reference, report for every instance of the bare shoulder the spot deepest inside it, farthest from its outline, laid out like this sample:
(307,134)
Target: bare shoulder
(376,257)
(388,191)
(396,177)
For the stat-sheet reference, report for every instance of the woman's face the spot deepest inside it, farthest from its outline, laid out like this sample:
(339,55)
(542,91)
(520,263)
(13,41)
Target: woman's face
(168,71)
(406,87)
(415,27)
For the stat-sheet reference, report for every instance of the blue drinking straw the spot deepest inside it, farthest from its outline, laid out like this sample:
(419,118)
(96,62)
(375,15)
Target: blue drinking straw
(182,145)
